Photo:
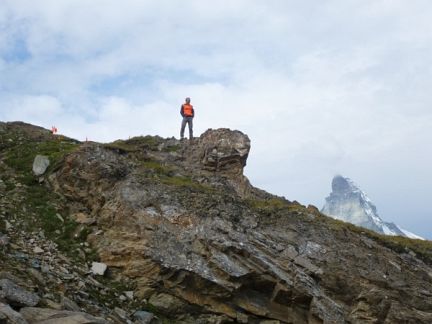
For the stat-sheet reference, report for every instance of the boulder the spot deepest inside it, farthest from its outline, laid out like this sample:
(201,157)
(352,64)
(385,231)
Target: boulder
(40,164)
(143,317)
(223,150)
(16,295)
(52,316)
(9,316)
(98,268)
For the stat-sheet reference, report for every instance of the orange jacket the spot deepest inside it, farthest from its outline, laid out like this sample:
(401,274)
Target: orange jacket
(187,110)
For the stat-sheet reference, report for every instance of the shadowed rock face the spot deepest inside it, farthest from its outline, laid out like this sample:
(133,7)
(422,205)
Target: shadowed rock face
(185,225)
(340,185)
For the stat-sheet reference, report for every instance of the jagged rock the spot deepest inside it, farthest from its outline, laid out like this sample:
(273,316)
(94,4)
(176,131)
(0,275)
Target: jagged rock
(40,164)
(39,278)
(38,250)
(143,317)
(129,294)
(223,150)
(51,316)
(201,240)
(16,295)
(98,268)
(167,303)
(69,304)
(182,226)
(9,316)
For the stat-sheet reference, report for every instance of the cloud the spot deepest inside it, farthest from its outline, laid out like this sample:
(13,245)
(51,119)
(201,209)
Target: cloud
(321,88)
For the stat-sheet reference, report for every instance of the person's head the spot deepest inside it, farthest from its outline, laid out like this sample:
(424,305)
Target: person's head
(187,100)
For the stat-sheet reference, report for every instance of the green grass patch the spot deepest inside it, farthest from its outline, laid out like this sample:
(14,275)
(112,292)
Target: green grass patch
(171,148)
(21,157)
(42,209)
(149,142)
(121,146)
(186,182)
(142,143)
(268,204)
(157,167)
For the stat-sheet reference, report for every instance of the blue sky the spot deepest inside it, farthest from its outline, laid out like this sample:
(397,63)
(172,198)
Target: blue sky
(321,87)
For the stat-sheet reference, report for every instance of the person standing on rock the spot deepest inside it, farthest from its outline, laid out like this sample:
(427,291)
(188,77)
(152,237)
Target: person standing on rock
(188,114)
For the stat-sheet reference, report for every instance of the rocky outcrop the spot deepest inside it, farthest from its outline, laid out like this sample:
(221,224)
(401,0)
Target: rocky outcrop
(46,315)
(17,296)
(349,203)
(196,238)
(186,238)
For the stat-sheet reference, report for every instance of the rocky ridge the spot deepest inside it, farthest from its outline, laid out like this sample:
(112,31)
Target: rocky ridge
(186,237)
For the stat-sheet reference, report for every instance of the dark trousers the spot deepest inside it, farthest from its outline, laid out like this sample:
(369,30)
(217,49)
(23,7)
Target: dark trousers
(186,120)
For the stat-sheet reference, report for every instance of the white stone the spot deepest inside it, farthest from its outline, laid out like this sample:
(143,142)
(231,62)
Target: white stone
(99,268)
(40,164)
(38,250)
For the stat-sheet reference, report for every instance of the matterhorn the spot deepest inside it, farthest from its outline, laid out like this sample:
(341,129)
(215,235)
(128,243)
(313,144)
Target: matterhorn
(347,202)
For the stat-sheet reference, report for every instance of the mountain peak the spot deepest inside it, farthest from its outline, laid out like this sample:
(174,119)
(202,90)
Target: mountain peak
(347,202)
(341,185)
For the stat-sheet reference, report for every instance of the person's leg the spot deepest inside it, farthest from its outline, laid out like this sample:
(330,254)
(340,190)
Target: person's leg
(183,125)
(190,124)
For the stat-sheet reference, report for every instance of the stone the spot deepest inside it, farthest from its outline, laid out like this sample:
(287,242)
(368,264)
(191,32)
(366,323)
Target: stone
(16,295)
(37,276)
(129,294)
(9,316)
(4,240)
(166,303)
(8,226)
(40,164)
(82,218)
(143,317)
(48,316)
(51,304)
(98,268)
(69,304)
(38,250)
(120,313)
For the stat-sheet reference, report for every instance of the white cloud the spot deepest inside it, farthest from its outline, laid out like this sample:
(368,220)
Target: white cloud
(321,88)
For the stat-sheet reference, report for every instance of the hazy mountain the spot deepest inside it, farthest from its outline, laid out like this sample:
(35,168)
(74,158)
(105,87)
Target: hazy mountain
(347,202)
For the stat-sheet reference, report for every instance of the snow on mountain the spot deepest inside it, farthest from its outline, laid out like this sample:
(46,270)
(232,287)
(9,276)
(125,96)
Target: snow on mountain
(347,202)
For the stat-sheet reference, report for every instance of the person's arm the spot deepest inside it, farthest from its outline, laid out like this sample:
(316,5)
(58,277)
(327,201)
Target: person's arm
(193,112)
(181,111)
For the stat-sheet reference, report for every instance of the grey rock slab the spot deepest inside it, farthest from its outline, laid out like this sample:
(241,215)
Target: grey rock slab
(40,164)
(142,317)
(16,295)
(9,316)
(69,304)
(51,316)
(4,240)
